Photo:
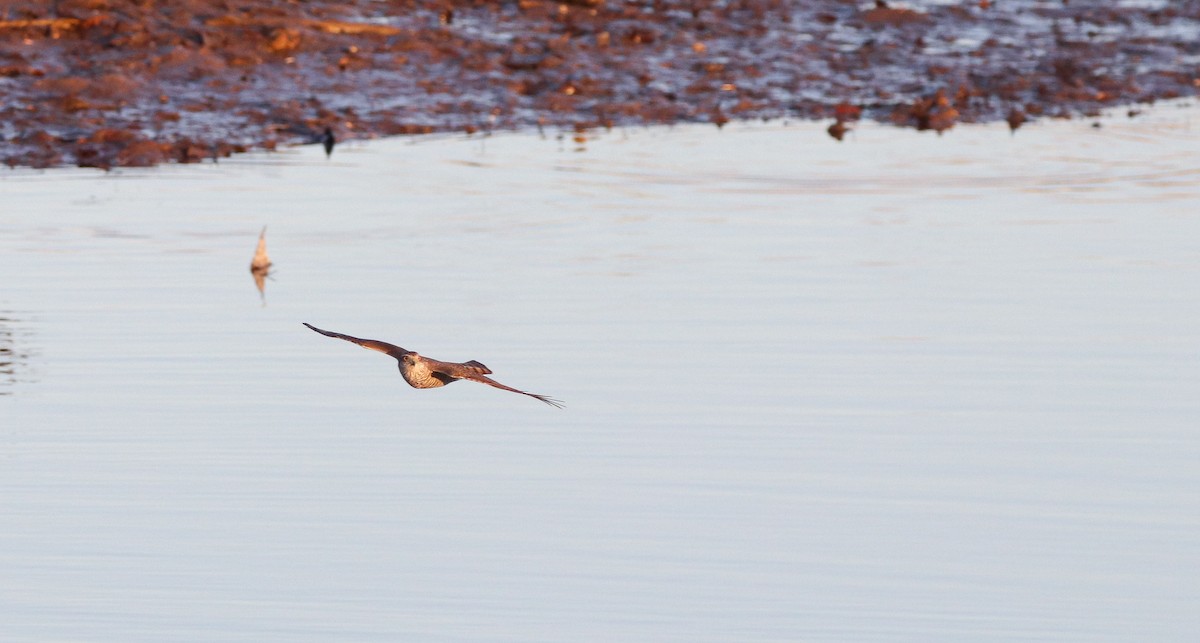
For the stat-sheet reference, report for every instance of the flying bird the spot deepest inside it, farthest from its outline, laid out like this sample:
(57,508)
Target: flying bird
(422,372)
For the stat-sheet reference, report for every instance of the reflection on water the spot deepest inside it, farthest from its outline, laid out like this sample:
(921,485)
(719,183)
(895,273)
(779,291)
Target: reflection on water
(14,352)
(1093,161)
(260,265)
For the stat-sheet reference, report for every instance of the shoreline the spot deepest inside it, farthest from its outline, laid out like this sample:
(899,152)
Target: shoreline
(191,81)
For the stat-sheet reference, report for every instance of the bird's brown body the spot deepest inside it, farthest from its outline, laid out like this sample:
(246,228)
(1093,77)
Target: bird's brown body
(423,372)
(418,374)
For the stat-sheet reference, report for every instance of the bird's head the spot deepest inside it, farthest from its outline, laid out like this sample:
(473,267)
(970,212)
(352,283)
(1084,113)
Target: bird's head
(409,358)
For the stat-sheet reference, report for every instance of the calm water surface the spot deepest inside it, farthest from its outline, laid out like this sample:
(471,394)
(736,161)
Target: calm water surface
(900,388)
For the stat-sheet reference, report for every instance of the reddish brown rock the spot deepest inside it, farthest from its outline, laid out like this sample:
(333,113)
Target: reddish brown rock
(198,79)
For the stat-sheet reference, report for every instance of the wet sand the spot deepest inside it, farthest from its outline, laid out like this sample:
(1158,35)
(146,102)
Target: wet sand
(118,83)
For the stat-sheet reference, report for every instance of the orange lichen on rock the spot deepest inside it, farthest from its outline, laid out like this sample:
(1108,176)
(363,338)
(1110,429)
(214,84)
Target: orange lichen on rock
(889,16)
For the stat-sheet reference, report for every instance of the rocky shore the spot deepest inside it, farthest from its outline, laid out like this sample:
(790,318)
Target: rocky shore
(104,83)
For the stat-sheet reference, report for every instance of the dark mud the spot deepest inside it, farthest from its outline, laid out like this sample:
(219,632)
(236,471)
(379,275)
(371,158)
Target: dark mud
(133,83)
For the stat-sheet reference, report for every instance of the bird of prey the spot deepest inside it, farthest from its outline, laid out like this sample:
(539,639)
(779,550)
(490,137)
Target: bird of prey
(422,372)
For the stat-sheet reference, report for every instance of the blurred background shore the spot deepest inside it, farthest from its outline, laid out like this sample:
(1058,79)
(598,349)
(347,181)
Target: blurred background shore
(103,83)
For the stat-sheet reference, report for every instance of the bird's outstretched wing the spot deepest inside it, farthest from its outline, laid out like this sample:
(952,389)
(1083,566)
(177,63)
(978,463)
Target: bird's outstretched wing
(477,372)
(491,382)
(458,370)
(373,344)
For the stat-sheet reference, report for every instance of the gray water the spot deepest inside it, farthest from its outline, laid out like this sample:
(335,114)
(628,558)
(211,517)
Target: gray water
(900,388)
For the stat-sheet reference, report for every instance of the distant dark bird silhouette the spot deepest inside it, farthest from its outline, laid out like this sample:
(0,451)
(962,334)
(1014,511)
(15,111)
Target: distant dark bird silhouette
(423,372)
(328,141)
(1015,119)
